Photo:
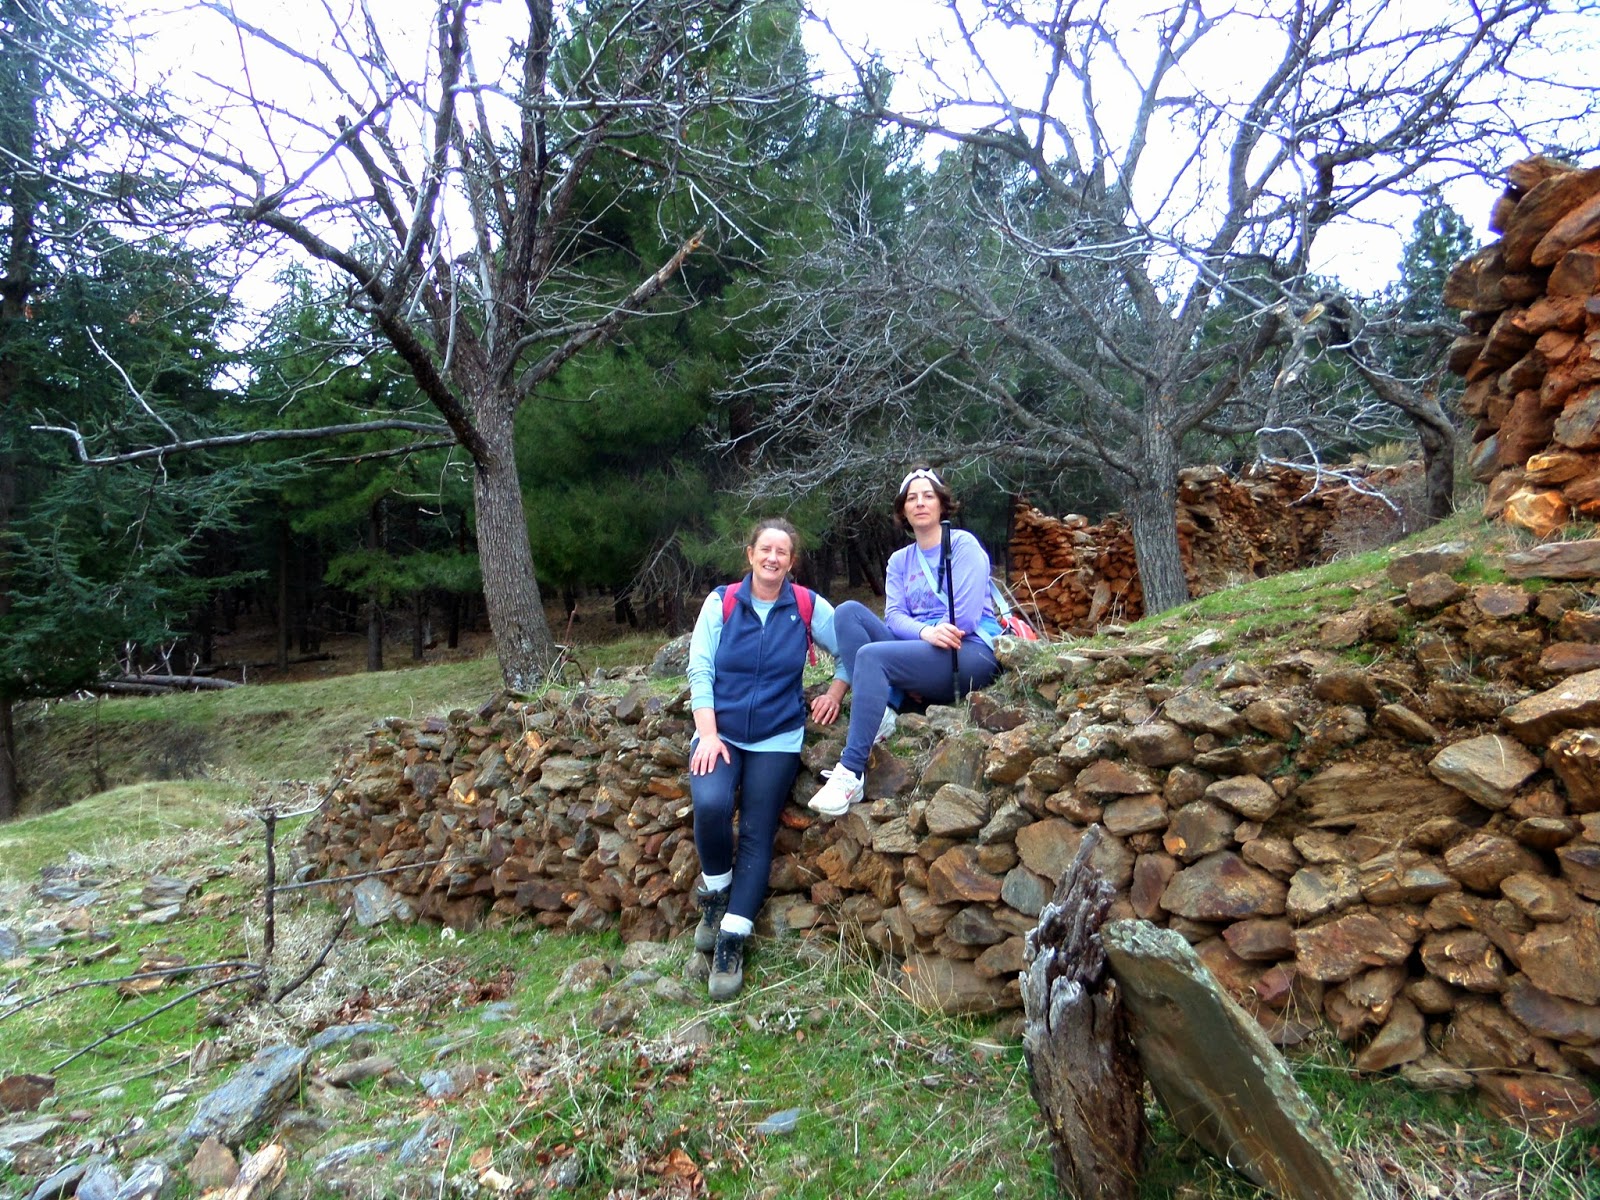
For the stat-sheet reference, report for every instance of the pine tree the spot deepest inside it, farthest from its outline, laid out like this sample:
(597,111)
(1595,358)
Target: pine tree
(94,327)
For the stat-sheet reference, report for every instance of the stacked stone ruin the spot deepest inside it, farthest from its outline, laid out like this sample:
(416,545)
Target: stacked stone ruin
(1270,519)
(1407,852)
(1531,354)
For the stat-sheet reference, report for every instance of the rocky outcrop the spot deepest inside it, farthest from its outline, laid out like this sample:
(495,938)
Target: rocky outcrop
(1408,851)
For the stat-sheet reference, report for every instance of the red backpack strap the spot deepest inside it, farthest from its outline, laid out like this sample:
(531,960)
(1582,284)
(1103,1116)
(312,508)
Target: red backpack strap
(730,597)
(806,601)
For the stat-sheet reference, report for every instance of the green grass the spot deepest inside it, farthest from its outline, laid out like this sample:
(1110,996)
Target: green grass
(264,732)
(1281,613)
(110,822)
(1274,606)
(892,1102)
(626,651)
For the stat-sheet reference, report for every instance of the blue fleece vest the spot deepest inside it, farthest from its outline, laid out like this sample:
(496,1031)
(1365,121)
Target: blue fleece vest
(759,689)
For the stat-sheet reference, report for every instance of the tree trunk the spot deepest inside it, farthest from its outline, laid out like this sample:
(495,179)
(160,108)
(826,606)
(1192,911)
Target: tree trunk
(510,591)
(10,798)
(307,575)
(1438,440)
(1151,502)
(419,610)
(19,137)
(374,608)
(816,570)
(1437,437)
(283,598)
(1082,1069)
(622,607)
(10,793)
(374,635)
(205,631)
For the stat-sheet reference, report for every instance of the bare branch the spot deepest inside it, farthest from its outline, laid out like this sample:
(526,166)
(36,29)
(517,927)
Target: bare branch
(146,1018)
(608,325)
(220,441)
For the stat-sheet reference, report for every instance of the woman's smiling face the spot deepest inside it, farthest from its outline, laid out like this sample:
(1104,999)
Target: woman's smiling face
(770,559)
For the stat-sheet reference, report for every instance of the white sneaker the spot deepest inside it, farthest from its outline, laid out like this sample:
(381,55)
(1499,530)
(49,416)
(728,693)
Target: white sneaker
(885,726)
(834,798)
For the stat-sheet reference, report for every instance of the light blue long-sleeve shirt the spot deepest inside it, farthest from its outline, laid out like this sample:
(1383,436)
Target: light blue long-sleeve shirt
(707,637)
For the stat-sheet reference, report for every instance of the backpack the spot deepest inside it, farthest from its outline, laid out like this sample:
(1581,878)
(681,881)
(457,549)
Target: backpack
(804,599)
(1011,621)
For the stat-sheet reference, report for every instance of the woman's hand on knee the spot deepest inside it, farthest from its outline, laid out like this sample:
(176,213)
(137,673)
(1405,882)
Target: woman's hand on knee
(703,759)
(943,635)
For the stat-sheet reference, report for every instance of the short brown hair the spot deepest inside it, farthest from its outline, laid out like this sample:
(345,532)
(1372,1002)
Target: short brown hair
(779,524)
(948,504)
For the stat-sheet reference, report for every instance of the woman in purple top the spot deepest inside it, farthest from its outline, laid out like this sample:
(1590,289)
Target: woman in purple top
(909,650)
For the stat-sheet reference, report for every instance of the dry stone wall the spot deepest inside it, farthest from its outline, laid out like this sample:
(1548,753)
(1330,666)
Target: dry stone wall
(1230,529)
(1407,851)
(1531,351)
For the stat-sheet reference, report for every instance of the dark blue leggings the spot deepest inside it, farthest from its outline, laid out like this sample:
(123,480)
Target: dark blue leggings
(756,785)
(882,666)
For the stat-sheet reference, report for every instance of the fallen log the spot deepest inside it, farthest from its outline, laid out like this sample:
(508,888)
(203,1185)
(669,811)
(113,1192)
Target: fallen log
(117,687)
(169,681)
(1082,1069)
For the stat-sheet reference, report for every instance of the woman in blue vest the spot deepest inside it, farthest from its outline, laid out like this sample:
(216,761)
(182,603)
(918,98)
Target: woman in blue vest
(920,646)
(746,659)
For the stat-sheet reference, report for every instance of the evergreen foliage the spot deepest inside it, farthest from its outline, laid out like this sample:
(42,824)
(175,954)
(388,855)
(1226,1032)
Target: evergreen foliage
(98,328)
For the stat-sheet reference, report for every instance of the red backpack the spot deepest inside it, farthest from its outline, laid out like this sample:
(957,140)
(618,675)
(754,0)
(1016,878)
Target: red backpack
(805,600)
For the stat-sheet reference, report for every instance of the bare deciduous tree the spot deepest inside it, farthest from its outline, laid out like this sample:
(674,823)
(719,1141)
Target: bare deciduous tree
(1126,237)
(461,189)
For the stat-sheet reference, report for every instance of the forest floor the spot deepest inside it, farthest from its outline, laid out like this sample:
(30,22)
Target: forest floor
(255,642)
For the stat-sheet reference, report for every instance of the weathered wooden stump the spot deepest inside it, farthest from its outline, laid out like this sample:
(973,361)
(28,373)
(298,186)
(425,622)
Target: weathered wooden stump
(1081,1064)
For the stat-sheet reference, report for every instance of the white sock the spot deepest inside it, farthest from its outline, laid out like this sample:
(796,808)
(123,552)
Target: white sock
(716,883)
(738,926)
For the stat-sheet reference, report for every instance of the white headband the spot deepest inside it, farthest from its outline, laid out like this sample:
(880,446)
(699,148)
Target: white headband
(919,473)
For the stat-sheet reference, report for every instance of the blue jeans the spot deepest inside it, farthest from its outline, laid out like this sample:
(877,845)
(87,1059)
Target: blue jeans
(882,667)
(755,784)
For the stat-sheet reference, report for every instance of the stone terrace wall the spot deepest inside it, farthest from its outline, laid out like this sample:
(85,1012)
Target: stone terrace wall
(1230,530)
(1408,851)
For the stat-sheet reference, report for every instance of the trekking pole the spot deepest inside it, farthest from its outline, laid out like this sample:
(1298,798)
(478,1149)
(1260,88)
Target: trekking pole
(950,599)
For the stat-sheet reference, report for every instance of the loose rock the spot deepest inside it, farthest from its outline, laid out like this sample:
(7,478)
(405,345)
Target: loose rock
(1215,1071)
(254,1095)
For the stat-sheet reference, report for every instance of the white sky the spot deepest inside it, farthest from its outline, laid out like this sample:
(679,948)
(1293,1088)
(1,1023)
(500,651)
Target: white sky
(1365,255)
(905,32)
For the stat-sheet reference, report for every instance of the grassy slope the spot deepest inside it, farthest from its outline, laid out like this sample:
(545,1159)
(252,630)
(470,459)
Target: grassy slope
(272,731)
(893,1103)
(70,749)
(105,825)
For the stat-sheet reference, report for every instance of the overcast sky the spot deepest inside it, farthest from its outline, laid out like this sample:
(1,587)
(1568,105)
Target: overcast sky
(1365,254)
(905,33)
